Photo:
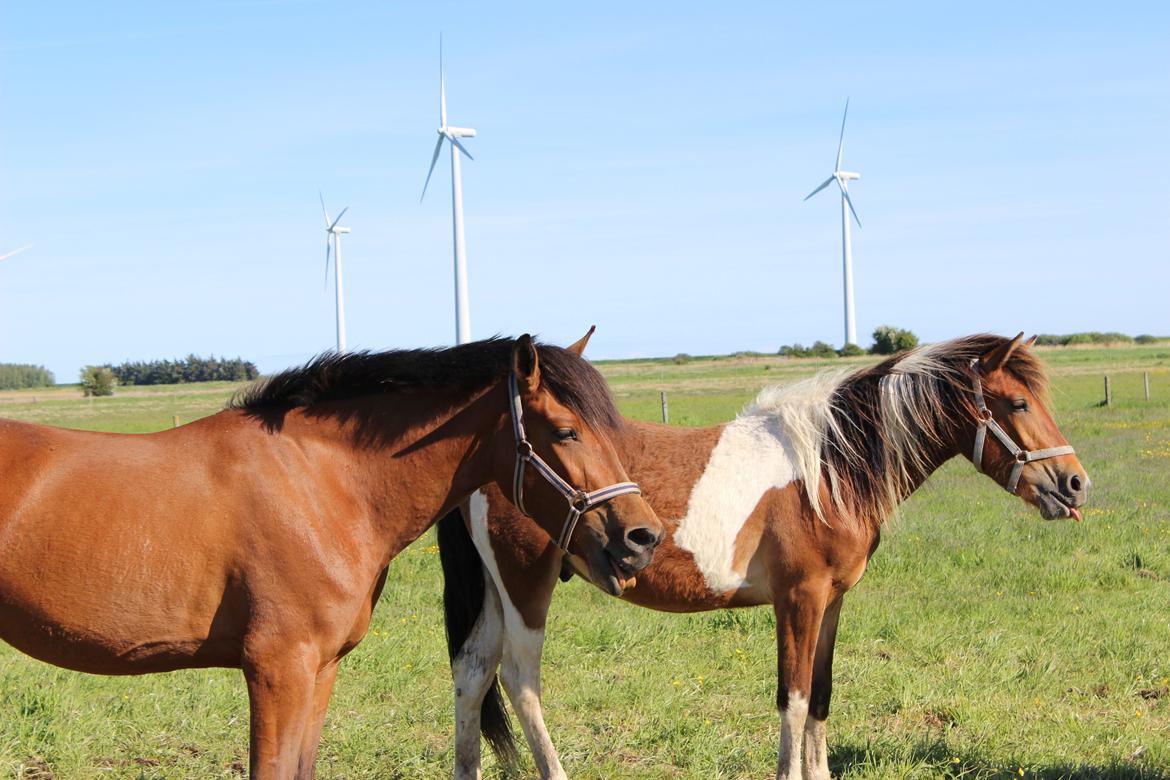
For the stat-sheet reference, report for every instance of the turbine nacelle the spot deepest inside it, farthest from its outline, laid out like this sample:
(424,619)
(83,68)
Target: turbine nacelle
(458,132)
(847,175)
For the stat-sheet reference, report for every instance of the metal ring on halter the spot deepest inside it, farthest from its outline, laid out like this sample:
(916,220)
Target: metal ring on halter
(579,500)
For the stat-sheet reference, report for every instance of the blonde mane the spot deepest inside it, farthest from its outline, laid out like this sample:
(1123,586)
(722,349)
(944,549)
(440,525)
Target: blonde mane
(872,432)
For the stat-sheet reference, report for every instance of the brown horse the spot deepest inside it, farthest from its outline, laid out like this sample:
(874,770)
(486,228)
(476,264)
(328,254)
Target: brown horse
(782,506)
(258,538)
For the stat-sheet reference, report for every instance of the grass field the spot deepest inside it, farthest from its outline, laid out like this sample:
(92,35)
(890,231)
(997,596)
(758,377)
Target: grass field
(983,642)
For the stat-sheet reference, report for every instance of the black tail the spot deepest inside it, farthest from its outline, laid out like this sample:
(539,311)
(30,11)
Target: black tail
(463,594)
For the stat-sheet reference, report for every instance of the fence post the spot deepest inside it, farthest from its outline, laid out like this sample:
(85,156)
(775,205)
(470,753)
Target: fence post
(665,411)
(1108,392)
(175,421)
(1146,382)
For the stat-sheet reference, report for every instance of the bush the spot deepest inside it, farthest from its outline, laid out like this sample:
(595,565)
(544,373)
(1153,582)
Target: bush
(887,340)
(822,350)
(18,376)
(1146,338)
(681,358)
(850,350)
(97,380)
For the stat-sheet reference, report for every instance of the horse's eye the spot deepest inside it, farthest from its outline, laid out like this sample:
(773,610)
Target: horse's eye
(565,434)
(1019,405)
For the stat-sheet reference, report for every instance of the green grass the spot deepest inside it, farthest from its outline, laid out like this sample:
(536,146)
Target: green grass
(982,641)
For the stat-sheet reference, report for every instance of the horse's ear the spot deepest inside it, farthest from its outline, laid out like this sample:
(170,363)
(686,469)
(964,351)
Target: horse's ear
(997,358)
(1030,342)
(578,346)
(525,364)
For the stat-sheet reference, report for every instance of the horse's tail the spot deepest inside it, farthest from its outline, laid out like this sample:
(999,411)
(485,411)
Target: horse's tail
(463,598)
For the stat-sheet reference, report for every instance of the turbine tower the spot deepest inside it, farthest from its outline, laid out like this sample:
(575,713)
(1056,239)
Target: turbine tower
(453,134)
(333,233)
(842,177)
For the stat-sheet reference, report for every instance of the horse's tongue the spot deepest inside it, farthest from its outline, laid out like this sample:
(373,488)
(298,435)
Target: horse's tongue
(1076,513)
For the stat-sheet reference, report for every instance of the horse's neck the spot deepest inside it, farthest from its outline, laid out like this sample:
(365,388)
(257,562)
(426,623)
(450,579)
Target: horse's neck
(407,458)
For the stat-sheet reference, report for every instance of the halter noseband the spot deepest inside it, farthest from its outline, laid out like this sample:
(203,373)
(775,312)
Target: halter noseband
(580,501)
(986,421)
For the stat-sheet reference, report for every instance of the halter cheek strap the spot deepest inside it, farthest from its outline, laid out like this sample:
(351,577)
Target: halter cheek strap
(985,422)
(580,501)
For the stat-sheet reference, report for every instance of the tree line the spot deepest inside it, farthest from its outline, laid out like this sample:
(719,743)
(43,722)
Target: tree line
(18,376)
(189,369)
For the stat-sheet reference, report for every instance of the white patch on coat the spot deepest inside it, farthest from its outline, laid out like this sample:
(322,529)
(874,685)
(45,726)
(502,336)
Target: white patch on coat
(751,457)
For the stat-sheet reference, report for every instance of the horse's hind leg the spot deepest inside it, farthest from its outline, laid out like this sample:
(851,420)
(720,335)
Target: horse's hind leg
(322,690)
(473,669)
(816,747)
(280,691)
(520,673)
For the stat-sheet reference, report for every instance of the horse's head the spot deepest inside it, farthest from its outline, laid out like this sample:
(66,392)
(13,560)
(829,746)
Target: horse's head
(1015,440)
(557,464)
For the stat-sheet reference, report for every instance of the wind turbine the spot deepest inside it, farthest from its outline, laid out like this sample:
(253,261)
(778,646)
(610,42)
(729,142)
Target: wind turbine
(842,177)
(453,134)
(333,234)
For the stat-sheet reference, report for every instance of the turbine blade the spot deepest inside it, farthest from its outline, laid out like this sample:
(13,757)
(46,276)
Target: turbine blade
(328,247)
(442,87)
(841,140)
(338,217)
(824,184)
(434,159)
(848,200)
(15,252)
(323,210)
(455,141)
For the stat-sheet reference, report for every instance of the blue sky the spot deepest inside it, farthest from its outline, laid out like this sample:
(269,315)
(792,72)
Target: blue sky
(638,166)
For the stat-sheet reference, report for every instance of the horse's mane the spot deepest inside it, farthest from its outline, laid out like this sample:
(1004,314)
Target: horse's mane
(466,368)
(870,432)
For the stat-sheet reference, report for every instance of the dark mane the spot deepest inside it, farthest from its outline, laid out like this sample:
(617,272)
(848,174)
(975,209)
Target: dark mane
(466,368)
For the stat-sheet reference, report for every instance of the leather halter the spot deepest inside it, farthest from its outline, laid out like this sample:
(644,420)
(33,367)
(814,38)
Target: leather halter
(580,501)
(986,421)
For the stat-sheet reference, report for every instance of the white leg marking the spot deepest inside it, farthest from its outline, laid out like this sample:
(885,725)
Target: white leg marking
(522,647)
(816,750)
(791,731)
(520,674)
(472,672)
(751,457)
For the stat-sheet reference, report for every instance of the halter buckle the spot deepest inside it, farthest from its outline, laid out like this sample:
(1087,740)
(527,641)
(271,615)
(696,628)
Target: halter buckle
(1022,457)
(984,415)
(524,450)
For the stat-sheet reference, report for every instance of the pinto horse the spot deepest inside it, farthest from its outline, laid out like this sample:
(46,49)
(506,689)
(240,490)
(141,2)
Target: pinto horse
(258,538)
(783,506)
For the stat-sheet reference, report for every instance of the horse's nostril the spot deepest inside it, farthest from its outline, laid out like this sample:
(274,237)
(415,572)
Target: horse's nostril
(1074,482)
(642,537)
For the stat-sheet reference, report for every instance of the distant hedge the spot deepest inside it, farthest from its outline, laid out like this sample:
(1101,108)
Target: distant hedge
(1088,337)
(189,369)
(18,376)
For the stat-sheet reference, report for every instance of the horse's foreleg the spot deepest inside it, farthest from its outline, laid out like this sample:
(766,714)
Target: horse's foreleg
(520,674)
(322,690)
(280,692)
(816,747)
(473,671)
(798,624)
